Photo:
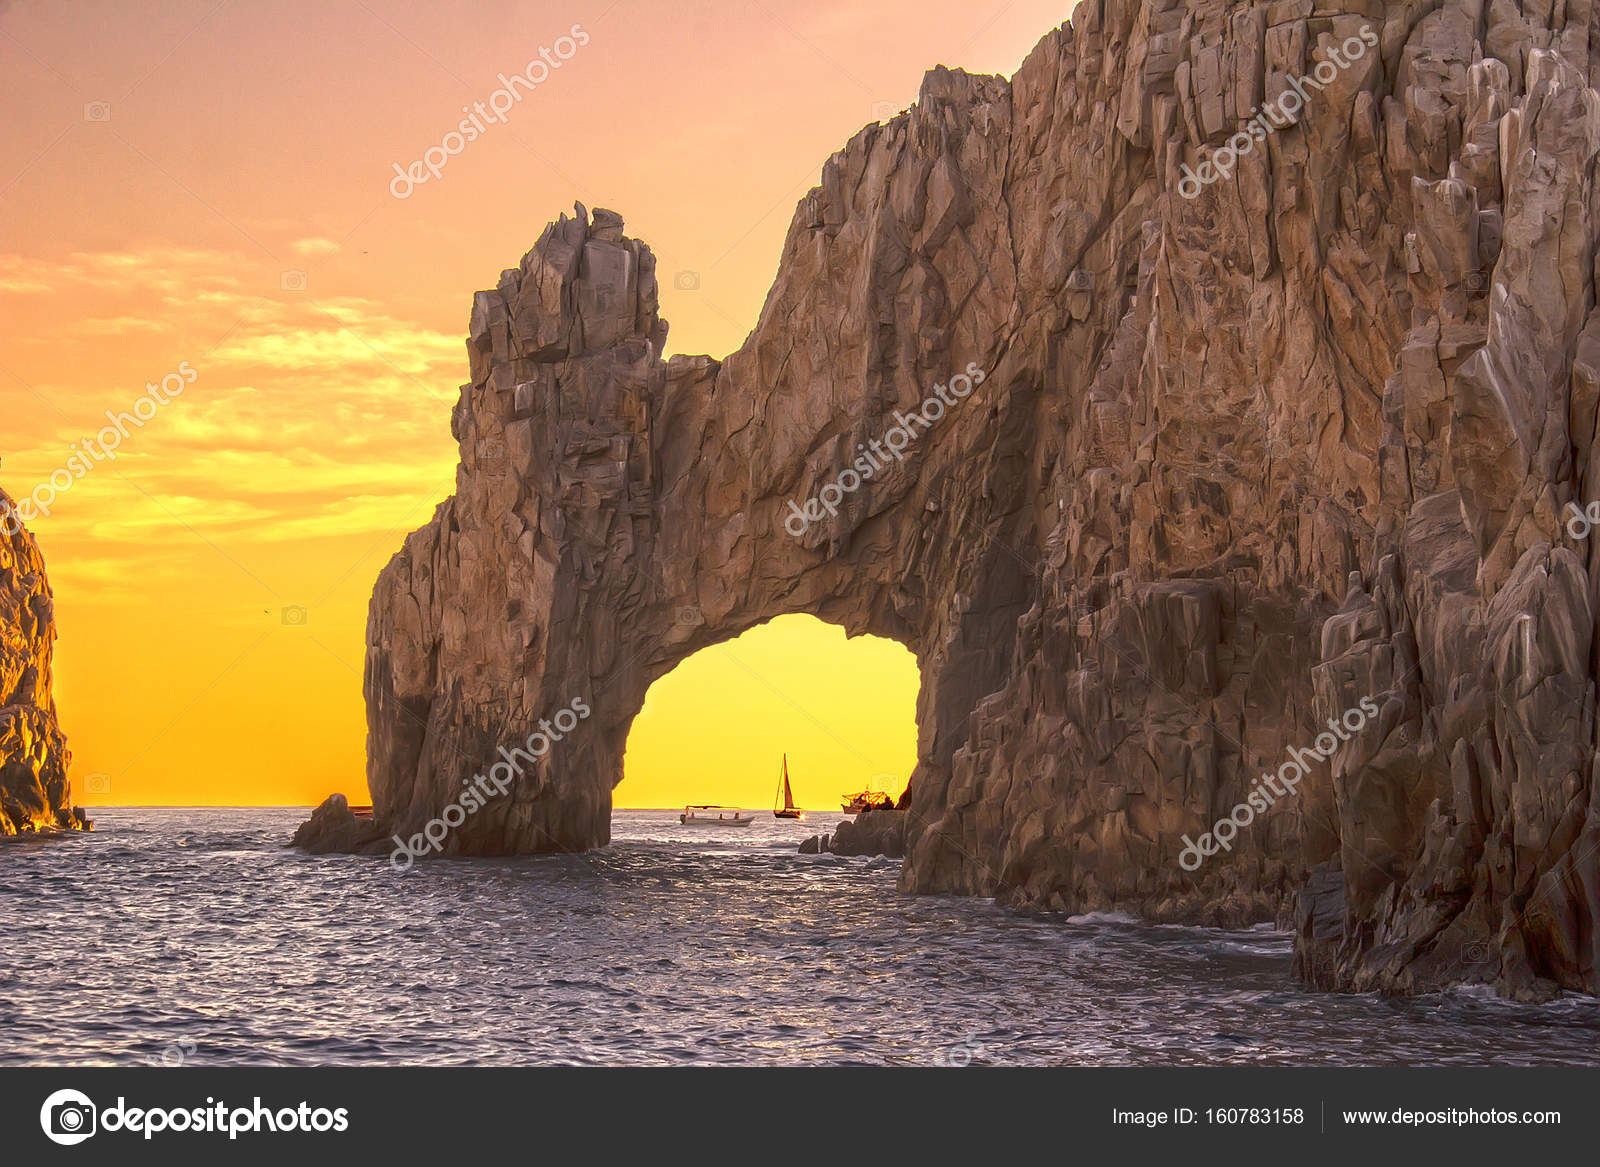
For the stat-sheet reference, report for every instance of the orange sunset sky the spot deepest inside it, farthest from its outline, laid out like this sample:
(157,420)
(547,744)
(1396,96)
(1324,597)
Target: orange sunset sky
(206,184)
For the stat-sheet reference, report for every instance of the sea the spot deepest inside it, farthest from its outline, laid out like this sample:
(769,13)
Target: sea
(197,937)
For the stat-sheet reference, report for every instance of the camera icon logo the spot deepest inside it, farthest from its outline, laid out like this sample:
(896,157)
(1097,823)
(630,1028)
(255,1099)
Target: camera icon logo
(97,783)
(292,281)
(97,111)
(691,616)
(294,616)
(67,1117)
(687,281)
(885,111)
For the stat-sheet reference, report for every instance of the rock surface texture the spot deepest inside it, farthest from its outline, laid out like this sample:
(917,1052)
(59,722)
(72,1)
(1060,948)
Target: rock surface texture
(335,829)
(1236,462)
(34,794)
(874,832)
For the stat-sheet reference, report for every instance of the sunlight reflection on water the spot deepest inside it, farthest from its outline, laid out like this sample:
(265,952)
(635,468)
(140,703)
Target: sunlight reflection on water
(199,930)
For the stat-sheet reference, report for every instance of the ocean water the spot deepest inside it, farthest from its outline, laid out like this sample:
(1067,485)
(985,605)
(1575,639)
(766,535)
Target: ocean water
(196,937)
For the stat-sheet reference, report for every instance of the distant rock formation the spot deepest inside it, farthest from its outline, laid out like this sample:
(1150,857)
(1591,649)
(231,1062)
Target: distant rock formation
(1238,462)
(874,832)
(335,829)
(34,793)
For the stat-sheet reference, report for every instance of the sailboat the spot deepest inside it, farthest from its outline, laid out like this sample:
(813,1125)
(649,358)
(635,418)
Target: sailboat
(788,810)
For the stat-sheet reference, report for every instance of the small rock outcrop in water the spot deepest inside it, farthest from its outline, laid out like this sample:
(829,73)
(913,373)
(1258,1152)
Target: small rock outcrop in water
(1239,462)
(873,832)
(34,791)
(334,828)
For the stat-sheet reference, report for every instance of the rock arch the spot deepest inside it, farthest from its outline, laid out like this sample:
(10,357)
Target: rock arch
(616,513)
(1239,461)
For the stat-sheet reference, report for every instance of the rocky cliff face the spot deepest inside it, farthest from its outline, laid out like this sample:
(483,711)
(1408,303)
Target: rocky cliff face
(1282,466)
(34,795)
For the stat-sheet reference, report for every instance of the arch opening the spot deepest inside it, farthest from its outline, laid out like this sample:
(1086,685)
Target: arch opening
(715,728)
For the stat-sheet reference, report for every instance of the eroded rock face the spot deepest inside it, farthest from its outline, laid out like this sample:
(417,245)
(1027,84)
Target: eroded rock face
(1237,462)
(335,829)
(873,832)
(34,794)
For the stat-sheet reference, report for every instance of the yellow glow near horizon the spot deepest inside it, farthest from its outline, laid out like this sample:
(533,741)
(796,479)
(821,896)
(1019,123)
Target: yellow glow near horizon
(183,181)
(716,727)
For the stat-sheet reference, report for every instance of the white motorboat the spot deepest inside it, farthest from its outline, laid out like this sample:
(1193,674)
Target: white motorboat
(714,816)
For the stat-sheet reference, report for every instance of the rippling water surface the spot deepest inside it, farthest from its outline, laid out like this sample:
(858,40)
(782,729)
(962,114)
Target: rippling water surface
(195,936)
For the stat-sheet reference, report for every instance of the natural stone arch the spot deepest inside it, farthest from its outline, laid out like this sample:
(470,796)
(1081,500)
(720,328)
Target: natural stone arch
(615,513)
(1245,455)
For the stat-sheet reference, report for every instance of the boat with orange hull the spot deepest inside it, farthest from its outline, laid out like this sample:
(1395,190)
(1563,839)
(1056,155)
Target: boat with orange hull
(867,800)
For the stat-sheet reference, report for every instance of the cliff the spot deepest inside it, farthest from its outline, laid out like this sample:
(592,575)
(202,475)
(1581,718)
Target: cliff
(34,795)
(1264,456)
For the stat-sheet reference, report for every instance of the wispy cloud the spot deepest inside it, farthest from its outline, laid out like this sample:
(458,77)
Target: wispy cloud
(311,417)
(314,246)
